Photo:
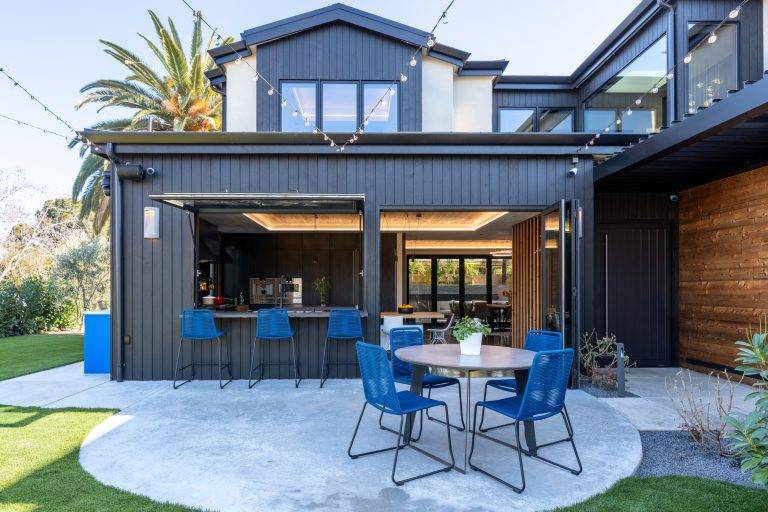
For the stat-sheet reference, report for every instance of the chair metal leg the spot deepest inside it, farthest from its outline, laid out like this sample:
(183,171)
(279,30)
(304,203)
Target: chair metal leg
(482,416)
(251,382)
(228,366)
(573,445)
(354,435)
(398,447)
(519,457)
(413,439)
(461,412)
(176,368)
(296,375)
(324,367)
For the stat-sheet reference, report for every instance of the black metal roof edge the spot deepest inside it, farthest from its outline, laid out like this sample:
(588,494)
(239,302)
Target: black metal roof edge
(749,102)
(399,138)
(228,53)
(483,67)
(329,14)
(441,51)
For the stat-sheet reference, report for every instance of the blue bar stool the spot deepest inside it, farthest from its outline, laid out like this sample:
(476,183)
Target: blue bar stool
(535,341)
(273,325)
(409,336)
(380,392)
(543,398)
(198,325)
(343,325)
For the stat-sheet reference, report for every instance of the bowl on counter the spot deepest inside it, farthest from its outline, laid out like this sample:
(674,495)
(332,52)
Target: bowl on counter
(405,309)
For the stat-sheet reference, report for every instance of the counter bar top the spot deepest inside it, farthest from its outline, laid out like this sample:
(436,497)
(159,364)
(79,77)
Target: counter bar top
(293,313)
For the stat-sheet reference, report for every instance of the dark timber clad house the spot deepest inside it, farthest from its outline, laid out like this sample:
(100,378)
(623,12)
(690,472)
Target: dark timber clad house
(656,232)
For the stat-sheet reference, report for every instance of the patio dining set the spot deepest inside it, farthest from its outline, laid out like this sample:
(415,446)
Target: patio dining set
(535,393)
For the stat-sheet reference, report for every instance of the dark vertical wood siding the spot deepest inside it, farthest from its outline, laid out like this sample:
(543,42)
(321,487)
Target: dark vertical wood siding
(526,99)
(159,273)
(337,51)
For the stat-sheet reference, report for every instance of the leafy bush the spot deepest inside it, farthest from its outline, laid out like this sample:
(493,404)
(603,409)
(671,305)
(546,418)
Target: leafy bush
(33,305)
(748,438)
(599,358)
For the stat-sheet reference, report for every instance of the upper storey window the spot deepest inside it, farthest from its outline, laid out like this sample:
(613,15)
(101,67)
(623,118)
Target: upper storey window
(300,112)
(644,78)
(713,69)
(520,120)
(339,107)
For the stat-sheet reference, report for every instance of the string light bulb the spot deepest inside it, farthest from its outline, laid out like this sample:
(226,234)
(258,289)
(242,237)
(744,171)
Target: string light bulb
(654,90)
(618,121)
(271,91)
(638,101)
(306,122)
(412,62)
(315,130)
(445,19)
(239,60)
(670,75)
(734,13)
(712,38)
(391,91)
(430,42)
(688,58)
(629,111)
(295,113)
(403,78)
(284,103)
(255,78)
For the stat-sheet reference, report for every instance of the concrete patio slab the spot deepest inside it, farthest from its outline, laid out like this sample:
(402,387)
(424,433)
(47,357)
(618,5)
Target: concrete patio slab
(278,448)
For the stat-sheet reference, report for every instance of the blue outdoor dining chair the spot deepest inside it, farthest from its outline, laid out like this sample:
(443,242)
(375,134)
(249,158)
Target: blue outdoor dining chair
(198,326)
(380,393)
(409,336)
(343,325)
(535,341)
(273,325)
(544,397)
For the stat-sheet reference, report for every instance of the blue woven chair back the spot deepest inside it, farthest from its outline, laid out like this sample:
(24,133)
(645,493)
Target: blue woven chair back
(547,381)
(538,341)
(345,324)
(273,324)
(378,384)
(198,324)
(400,337)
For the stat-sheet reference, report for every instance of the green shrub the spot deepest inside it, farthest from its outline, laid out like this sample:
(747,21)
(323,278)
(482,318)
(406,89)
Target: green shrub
(748,437)
(33,305)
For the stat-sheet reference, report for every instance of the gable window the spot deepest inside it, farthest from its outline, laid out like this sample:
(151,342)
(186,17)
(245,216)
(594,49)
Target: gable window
(516,120)
(339,107)
(300,114)
(381,101)
(647,73)
(713,69)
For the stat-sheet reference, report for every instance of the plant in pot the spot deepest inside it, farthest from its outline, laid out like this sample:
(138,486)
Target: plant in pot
(469,333)
(321,285)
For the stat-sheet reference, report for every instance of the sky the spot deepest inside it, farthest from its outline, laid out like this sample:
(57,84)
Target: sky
(53,49)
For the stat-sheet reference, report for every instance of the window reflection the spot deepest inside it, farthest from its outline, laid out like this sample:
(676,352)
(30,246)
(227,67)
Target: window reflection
(384,98)
(556,120)
(607,108)
(339,107)
(713,69)
(516,120)
(300,112)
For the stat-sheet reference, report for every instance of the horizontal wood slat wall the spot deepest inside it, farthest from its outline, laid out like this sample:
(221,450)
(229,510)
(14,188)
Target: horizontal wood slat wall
(525,280)
(723,265)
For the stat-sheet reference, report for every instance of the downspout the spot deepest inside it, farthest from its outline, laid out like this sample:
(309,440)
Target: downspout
(671,58)
(117,240)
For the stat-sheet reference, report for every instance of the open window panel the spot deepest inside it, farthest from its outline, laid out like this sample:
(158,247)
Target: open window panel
(256,250)
(455,263)
(559,263)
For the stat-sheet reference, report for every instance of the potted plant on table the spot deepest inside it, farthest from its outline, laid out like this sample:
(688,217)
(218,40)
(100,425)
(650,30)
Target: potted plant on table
(469,333)
(321,285)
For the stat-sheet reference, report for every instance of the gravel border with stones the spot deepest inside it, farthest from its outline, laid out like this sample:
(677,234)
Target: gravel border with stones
(674,453)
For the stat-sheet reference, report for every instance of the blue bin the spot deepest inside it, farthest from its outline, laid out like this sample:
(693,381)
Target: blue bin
(96,341)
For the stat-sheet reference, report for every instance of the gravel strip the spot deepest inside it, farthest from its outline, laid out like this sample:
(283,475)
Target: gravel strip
(673,453)
(599,392)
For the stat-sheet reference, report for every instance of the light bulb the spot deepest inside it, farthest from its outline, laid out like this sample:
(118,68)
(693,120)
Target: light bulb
(325,138)
(688,58)
(315,130)
(638,101)
(239,60)
(255,78)
(391,92)
(430,42)
(597,135)
(712,38)
(607,129)
(412,62)
(618,121)
(284,103)
(306,122)
(629,111)
(670,75)
(403,78)
(333,144)
(445,19)
(366,122)
(271,91)
(654,90)
(734,13)
(361,131)
(295,113)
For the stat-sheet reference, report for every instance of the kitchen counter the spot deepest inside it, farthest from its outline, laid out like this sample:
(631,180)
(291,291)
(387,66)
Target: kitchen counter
(293,312)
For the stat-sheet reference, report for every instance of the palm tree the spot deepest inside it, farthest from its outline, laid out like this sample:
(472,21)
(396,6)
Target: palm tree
(176,99)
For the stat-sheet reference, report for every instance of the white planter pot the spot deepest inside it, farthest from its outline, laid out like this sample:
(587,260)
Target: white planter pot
(472,344)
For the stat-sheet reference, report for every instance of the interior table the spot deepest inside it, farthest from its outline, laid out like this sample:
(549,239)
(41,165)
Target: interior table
(491,358)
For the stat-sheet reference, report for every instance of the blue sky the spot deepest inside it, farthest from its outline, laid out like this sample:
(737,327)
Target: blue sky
(52,48)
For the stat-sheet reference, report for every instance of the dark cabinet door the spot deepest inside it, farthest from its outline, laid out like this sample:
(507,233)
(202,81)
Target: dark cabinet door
(634,290)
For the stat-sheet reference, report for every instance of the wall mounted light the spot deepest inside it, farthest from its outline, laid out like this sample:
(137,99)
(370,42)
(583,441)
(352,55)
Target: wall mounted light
(151,222)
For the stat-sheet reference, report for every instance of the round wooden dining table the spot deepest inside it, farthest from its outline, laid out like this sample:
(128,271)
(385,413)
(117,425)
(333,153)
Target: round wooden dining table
(491,358)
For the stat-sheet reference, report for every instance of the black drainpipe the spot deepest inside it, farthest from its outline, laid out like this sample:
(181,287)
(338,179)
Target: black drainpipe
(117,260)
(671,58)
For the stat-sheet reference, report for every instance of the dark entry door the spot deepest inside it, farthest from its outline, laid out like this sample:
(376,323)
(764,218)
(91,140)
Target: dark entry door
(560,297)
(633,296)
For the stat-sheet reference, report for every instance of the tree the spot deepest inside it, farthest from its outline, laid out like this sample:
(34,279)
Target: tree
(84,269)
(177,98)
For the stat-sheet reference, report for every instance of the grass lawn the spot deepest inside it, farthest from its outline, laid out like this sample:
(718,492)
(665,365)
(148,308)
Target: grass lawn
(20,355)
(39,456)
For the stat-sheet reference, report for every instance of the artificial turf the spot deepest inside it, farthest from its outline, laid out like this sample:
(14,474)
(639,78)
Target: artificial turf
(21,355)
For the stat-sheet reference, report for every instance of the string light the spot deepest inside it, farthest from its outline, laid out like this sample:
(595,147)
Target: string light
(28,125)
(271,91)
(638,101)
(734,13)
(430,42)
(688,58)
(712,38)
(413,62)
(403,77)
(284,103)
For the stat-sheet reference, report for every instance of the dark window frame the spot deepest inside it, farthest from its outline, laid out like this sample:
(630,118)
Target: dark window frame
(297,81)
(360,99)
(536,117)
(684,79)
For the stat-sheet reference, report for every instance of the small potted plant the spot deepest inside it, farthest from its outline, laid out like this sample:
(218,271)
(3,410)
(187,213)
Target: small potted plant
(321,285)
(469,333)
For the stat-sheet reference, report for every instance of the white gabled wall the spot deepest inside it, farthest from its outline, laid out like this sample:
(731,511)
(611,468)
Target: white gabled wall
(472,103)
(241,95)
(436,95)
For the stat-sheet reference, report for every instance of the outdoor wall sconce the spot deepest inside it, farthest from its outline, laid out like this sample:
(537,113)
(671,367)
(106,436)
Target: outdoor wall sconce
(151,222)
